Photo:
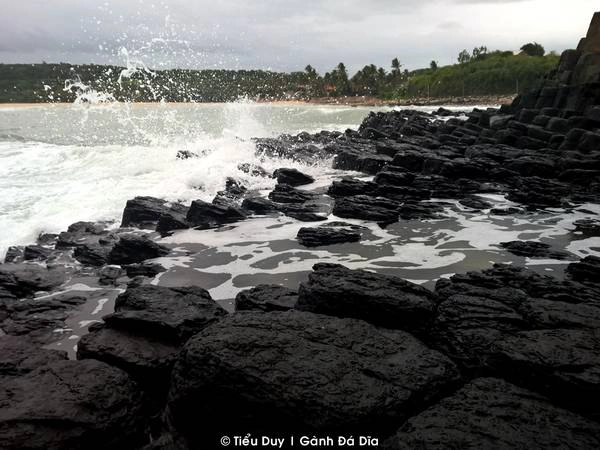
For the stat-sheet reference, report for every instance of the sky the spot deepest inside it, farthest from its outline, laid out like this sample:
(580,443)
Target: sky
(282,35)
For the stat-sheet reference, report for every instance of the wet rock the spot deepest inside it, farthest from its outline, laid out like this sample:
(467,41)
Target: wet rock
(319,236)
(39,319)
(506,211)
(47,239)
(376,209)
(421,210)
(169,314)
(292,177)
(205,215)
(93,254)
(186,154)
(303,216)
(252,169)
(561,363)
(491,413)
(146,359)
(533,249)
(133,248)
(347,187)
(234,189)
(475,203)
(145,269)
(23,280)
(266,297)
(14,254)
(380,299)
(284,193)
(144,212)
(260,205)
(71,404)
(36,252)
(172,220)
(532,330)
(588,269)
(317,373)
(19,356)
(109,274)
(81,233)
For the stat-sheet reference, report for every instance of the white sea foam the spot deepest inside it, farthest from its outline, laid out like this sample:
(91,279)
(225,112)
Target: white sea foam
(83,162)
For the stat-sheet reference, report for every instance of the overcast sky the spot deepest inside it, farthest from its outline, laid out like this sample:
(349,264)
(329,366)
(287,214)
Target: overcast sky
(281,34)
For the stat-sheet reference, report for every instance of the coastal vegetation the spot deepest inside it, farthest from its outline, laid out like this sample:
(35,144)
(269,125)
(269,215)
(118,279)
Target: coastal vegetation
(478,72)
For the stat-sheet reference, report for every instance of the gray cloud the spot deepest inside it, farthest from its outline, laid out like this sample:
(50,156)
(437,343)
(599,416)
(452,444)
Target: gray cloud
(282,34)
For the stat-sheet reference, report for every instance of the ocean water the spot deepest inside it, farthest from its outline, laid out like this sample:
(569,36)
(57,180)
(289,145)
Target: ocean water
(60,163)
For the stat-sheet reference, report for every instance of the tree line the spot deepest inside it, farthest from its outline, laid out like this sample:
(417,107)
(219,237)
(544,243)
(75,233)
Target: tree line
(478,72)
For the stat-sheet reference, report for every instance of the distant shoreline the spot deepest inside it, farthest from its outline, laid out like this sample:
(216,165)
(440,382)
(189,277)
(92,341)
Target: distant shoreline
(333,101)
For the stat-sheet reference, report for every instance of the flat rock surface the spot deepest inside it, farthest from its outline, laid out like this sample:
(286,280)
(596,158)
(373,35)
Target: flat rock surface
(380,299)
(319,236)
(166,313)
(266,297)
(146,359)
(300,371)
(489,413)
(19,356)
(535,331)
(71,404)
(24,280)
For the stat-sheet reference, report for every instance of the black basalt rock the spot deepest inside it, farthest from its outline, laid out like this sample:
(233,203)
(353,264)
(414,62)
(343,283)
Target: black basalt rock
(292,177)
(379,299)
(171,314)
(297,371)
(491,413)
(133,248)
(533,249)
(205,215)
(266,297)
(71,404)
(323,235)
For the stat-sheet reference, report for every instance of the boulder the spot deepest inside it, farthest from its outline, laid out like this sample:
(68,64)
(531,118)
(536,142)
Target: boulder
(71,404)
(93,254)
(36,252)
(205,215)
(327,235)
(588,269)
(284,193)
(292,177)
(491,413)
(533,249)
(23,280)
(379,299)
(296,371)
(376,209)
(172,220)
(82,233)
(145,269)
(170,314)
(144,212)
(266,297)
(134,248)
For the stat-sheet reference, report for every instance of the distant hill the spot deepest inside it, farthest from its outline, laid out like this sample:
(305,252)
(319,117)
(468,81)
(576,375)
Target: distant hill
(495,73)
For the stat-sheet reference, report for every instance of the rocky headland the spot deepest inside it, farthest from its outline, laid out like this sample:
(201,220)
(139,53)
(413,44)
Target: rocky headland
(502,357)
